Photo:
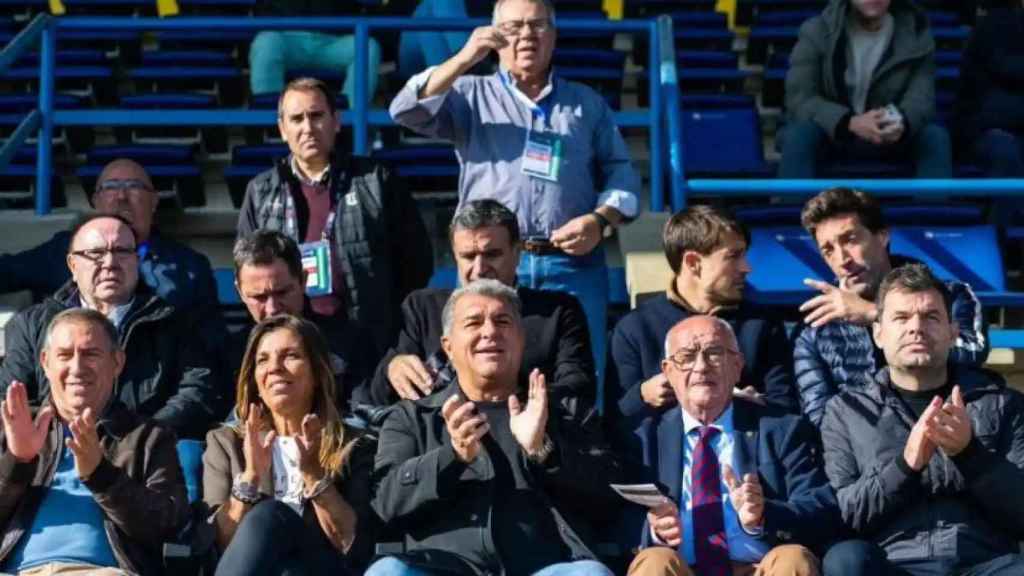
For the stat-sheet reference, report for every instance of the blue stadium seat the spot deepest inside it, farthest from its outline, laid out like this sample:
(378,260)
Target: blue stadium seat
(426,167)
(647,8)
(190,457)
(247,162)
(722,136)
(764,40)
(172,168)
(14,107)
(214,138)
(18,181)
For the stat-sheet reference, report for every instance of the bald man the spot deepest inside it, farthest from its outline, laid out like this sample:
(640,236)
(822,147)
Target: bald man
(750,496)
(177,273)
(168,371)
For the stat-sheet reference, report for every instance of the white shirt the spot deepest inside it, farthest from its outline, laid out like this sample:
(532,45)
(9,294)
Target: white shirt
(288,484)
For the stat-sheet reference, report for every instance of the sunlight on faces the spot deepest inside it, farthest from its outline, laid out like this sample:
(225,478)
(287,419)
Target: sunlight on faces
(284,373)
(485,252)
(111,279)
(529,52)
(703,366)
(270,289)
(307,125)
(136,204)
(722,274)
(858,257)
(915,330)
(486,340)
(81,365)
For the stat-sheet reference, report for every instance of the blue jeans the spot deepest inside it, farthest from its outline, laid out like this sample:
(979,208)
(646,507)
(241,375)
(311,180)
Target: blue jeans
(391,566)
(862,558)
(586,278)
(419,50)
(805,144)
(274,52)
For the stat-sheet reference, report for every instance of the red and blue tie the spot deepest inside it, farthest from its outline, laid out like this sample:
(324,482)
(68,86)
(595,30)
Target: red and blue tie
(709,543)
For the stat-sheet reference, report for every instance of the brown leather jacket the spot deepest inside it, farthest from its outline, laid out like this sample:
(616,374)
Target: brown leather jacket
(138,485)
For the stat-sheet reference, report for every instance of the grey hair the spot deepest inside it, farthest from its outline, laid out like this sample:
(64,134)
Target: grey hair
(483,287)
(84,316)
(725,326)
(548,7)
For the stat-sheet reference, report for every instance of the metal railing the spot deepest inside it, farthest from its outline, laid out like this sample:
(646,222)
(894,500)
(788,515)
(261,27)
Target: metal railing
(361,117)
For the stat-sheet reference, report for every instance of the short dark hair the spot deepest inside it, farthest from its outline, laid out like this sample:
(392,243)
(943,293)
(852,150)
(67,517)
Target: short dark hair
(307,84)
(912,278)
(700,228)
(84,220)
(83,316)
(262,247)
(840,201)
(478,214)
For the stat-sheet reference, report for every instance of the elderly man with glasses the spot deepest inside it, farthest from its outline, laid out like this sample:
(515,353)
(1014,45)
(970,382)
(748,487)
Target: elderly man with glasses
(546,148)
(167,373)
(177,273)
(746,491)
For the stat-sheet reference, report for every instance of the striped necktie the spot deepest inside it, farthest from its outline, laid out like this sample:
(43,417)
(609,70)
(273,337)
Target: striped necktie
(709,543)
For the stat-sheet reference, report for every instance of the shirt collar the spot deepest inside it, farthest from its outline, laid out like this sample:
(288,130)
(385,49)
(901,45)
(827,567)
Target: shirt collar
(509,81)
(116,315)
(723,423)
(320,178)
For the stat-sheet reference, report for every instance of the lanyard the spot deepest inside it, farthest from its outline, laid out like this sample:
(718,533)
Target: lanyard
(542,108)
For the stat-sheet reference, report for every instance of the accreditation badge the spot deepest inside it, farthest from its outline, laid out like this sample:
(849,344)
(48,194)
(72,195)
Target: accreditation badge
(542,156)
(316,262)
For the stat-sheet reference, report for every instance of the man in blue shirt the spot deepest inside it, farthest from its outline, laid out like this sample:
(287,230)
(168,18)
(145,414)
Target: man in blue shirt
(745,485)
(86,485)
(544,147)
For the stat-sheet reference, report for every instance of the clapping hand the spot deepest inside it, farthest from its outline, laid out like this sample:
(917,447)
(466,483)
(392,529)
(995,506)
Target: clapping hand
(85,443)
(24,436)
(528,423)
(747,498)
(308,442)
(258,451)
(465,427)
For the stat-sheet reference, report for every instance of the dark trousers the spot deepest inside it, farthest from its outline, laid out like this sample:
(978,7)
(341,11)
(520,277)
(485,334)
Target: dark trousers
(1000,153)
(861,558)
(273,540)
(805,144)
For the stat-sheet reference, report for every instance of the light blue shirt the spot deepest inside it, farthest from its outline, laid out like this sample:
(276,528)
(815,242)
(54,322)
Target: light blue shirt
(743,547)
(488,119)
(68,527)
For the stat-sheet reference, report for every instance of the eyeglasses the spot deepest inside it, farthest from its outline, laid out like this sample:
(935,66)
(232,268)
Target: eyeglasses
(515,27)
(713,356)
(98,254)
(130,186)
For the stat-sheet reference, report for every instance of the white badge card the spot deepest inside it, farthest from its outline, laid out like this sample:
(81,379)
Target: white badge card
(542,156)
(316,261)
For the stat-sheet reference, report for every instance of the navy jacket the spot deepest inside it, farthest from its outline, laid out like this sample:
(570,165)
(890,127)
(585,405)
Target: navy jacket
(638,346)
(800,507)
(840,356)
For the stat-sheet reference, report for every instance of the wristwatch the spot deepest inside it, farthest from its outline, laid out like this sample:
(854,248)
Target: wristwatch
(317,489)
(545,450)
(604,224)
(243,491)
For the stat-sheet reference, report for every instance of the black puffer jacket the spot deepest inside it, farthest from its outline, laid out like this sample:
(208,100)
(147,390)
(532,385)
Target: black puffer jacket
(167,373)
(970,506)
(379,238)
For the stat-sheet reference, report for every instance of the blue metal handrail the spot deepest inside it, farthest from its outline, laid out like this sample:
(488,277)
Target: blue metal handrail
(361,117)
(35,119)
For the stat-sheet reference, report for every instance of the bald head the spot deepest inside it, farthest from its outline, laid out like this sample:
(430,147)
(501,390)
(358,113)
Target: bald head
(124,188)
(703,363)
(103,262)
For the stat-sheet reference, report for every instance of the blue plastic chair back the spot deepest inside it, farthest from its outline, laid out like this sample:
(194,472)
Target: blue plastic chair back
(190,456)
(970,254)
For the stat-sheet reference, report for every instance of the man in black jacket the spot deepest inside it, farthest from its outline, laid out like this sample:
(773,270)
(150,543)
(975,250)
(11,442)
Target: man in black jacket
(484,237)
(482,479)
(350,214)
(168,372)
(928,460)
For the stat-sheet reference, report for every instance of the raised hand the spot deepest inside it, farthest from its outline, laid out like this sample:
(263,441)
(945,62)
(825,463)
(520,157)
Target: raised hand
(410,377)
(258,452)
(950,428)
(465,427)
(919,448)
(664,522)
(24,436)
(578,236)
(480,43)
(835,304)
(657,392)
(528,424)
(85,443)
(747,498)
(308,442)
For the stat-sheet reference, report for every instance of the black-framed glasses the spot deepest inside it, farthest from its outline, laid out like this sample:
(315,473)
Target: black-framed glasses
(98,254)
(515,27)
(714,356)
(127,185)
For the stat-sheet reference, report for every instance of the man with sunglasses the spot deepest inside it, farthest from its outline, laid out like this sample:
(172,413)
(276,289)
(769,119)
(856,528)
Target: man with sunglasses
(746,492)
(167,373)
(177,273)
(546,148)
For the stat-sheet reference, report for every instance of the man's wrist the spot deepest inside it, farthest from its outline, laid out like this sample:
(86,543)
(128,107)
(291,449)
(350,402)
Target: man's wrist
(540,453)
